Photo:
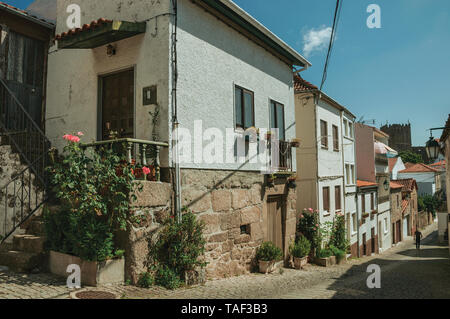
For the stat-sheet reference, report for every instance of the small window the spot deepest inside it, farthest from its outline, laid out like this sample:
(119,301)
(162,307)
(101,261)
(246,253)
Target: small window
(347,173)
(346,127)
(385,226)
(245,230)
(353,175)
(244,108)
(326,199)
(350,126)
(335,138)
(354,223)
(363,203)
(324,134)
(337,198)
(277,119)
(372,201)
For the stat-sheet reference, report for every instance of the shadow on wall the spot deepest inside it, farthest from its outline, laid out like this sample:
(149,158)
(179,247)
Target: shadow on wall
(426,275)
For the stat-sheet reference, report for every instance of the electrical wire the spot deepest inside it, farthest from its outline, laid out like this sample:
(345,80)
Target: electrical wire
(337,15)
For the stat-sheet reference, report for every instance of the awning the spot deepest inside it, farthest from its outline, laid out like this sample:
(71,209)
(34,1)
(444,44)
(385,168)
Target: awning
(98,33)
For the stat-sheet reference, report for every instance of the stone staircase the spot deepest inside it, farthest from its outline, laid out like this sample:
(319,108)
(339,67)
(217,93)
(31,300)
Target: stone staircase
(27,252)
(23,251)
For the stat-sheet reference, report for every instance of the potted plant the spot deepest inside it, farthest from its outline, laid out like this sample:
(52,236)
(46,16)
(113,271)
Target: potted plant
(325,258)
(295,142)
(300,251)
(267,255)
(341,256)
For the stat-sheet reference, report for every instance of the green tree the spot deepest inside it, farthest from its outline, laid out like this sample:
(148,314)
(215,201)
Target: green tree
(411,157)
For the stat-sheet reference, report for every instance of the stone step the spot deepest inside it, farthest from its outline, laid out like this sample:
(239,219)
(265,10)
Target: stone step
(22,262)
(28,243)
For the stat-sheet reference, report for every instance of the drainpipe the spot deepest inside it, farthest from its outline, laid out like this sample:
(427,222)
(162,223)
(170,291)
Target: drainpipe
(357,221)
(344,184)
(175,123)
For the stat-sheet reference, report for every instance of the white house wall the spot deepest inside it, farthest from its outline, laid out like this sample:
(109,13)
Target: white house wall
(212,58)
(72,97)
(426,182)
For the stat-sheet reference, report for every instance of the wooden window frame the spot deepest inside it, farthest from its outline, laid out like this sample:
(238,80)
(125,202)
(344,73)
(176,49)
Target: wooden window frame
(326,200)
(336,144)
(243,90)
(324,135)
(272,125)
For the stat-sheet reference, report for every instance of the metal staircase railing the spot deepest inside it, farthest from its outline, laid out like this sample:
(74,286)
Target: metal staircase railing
(29,141)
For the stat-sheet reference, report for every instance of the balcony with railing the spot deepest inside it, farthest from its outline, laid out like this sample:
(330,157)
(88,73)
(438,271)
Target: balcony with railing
(140,154)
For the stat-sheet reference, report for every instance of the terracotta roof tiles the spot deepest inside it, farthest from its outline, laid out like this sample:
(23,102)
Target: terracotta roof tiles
(301,85)
(419,168)
(365,184)
(94,24)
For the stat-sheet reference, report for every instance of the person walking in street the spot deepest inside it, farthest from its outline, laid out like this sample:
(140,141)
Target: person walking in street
(419,237)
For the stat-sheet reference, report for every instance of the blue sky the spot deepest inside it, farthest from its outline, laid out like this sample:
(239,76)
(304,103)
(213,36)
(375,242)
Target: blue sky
(397,73)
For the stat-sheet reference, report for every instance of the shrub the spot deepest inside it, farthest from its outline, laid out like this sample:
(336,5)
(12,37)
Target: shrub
(301,248)
(93,191)
(168,278)
(339,253)
(324,253)
(178,249)
(269,252)
(146,280)
(338,237)
(309,226)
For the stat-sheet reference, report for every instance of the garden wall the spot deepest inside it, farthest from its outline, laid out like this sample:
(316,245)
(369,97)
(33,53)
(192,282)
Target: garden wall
(152,207)
(227,201)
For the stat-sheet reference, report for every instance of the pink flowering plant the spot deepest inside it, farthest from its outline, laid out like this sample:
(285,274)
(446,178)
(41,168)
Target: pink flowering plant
(309,227)
(94,200)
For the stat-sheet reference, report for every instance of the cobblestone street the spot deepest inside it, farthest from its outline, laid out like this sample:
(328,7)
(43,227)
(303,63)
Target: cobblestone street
(405,273)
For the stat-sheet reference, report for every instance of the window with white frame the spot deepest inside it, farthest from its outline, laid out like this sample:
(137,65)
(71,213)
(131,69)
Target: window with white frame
(385,226)
(347,174)
(354,223)
(345,127)
(353,174)
(350,127)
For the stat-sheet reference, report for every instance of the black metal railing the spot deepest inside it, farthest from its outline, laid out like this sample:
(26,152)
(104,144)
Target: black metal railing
(23,134)
(280,156)
(20,198)
(137,152)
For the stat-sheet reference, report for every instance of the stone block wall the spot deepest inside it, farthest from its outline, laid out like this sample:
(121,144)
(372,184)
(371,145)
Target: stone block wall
(233,206)
(152,207)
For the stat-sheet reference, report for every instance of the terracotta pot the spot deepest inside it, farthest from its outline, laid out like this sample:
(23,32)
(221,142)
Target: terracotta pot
(266,267)
(300,263)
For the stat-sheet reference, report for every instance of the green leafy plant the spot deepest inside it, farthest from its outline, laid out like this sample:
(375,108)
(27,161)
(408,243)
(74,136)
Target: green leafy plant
(338,236)
(411,157)
(168,278)
(301,248)
(325,253)
(269,252)
(146,280)
(309,226)
(178,249)
(339,253)
(93,190)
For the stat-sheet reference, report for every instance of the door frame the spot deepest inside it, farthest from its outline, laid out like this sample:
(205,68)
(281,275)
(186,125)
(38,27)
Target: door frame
(100,77)
(281,199)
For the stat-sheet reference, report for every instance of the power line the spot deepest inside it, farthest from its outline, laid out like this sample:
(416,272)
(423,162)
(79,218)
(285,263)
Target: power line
(337,15)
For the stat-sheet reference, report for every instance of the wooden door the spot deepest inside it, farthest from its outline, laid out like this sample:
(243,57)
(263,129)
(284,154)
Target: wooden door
(364,245)
(373,241)
(117,111)
(25,78)
(275,221)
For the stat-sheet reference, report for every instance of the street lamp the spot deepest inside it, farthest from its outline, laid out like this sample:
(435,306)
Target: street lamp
(432,148)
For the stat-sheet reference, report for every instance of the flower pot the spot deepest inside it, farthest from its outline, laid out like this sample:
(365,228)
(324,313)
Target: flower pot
(325,262)
(266,267)
(341,261)
(300,263)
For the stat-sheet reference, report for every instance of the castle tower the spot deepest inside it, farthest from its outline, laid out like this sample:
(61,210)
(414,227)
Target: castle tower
(400,136)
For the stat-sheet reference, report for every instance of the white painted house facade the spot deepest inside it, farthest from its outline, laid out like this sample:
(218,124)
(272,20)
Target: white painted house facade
(225,73)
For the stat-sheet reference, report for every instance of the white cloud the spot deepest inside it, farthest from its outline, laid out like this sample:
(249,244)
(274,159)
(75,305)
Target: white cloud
(316,40)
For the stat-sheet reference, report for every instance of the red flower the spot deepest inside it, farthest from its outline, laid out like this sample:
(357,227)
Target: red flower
(146,170)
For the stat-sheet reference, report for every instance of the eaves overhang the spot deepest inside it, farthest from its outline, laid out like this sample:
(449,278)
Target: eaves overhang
(236,17)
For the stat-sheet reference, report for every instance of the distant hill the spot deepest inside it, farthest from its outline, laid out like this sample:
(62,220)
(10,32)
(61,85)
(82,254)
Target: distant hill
(43,8)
